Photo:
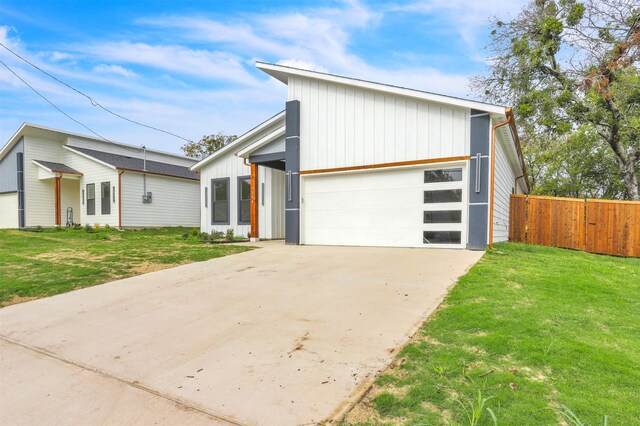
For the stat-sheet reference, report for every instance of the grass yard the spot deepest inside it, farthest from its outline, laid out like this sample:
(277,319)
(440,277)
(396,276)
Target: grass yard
(38,264)
(530,328)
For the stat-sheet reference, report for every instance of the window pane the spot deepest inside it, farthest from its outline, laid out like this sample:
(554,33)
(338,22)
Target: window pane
(245,189)
(220,191)
(444,216)
(244,216)
(443,196)
(105,205)
(91,191)
(221,211)
(443,175)
(441,237)
(91,199)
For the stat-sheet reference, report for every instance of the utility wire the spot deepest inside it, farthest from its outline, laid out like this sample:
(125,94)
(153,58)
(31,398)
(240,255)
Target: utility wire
(93,101)
(51,103)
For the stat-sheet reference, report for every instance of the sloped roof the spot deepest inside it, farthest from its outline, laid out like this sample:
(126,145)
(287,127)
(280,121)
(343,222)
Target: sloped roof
(124,162)
(57,167)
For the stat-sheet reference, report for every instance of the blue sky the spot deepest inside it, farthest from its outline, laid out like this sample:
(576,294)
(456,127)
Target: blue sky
(187,66)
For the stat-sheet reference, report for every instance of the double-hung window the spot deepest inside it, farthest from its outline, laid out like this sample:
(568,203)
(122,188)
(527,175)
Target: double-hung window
(244,196)
(91,199)
(220,201)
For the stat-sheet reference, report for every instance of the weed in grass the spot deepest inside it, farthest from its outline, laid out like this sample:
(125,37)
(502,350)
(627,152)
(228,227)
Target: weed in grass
(474,411)
(571,418)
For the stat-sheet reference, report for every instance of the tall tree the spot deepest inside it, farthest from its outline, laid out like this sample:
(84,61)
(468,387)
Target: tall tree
(570,70)
(207,145)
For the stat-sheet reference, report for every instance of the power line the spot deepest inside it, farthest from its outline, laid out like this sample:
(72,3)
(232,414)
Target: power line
(51,103)
(93,101)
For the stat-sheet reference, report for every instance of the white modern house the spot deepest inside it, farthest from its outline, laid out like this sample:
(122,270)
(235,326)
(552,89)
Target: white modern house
(353,162)
(51,177)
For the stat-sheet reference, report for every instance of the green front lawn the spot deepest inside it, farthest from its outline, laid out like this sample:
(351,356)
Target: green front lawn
(38,264)
(533,329)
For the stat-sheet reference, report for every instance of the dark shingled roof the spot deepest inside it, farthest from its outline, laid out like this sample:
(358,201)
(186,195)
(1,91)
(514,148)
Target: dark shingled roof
(124,162)
(58,167)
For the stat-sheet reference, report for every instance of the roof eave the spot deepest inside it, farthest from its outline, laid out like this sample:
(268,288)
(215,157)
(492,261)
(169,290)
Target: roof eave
(282,72)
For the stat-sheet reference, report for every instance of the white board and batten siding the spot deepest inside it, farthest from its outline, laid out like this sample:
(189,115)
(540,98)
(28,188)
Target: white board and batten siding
(96,173)
(227,166)
(174,202)
(505,174)
(344,126)
(39,194)
(271,193)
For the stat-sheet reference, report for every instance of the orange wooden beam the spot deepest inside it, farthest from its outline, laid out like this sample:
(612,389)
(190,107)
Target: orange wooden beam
(253,201)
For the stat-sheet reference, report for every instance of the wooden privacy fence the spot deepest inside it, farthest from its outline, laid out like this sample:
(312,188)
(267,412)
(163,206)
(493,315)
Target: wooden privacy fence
(597,226)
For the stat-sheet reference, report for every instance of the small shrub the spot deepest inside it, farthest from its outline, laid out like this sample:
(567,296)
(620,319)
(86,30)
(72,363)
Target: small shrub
(96,226)
(58,228)
(216,235)
(249,235)
(204,237)
(229,236)
(195,232)
(38,228)
(185,236)
(107,226)
(77,226)
(88,228)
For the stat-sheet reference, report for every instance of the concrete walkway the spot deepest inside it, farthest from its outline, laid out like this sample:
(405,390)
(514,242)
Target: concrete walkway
(281,335)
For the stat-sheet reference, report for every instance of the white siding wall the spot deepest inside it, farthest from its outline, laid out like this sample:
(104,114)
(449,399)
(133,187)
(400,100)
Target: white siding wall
(175,202)
(503,186)
(226,166)
(271,203)
(70,197)
(129,151)
(9,210)
(39,194)
(345,126)
(96,173)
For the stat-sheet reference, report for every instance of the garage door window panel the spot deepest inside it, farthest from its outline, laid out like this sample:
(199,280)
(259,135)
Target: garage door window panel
(443,207)
(443,175)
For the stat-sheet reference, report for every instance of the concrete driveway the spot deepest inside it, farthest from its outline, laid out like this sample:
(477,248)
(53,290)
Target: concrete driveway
(281,335)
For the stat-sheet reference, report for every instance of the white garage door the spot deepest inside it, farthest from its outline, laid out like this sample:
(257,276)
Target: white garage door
(409,207)
(9,210)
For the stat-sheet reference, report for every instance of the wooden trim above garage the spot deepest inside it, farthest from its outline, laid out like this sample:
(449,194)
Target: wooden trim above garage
(385,165)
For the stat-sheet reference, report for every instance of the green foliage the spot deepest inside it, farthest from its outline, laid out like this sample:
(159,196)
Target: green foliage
(229,235)
(207,145)
(217,235)
(88,229)
(568,67)
(195,232)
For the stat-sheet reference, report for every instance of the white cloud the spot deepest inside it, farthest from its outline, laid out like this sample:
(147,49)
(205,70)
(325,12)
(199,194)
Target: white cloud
(213,65)
(114,69)
(61,56)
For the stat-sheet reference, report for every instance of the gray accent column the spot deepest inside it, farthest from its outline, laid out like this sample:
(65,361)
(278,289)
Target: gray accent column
(20,178)
(479,180)
(292,173)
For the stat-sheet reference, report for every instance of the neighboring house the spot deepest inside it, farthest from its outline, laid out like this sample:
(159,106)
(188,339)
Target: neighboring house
(51,177)
(353,162)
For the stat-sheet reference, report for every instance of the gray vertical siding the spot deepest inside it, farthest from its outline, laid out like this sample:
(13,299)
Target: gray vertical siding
(479,191)
(292,169)
(9,169)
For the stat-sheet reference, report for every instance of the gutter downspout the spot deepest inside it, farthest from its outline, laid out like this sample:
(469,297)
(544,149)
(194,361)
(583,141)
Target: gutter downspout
(120,173)
(493,165)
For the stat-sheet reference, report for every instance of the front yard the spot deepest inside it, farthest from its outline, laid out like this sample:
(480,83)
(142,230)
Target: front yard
(38,264)
(543,334)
